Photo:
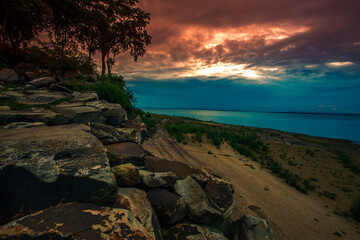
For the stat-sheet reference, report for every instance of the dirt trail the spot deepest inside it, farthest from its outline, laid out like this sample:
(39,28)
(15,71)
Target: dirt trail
(291,214)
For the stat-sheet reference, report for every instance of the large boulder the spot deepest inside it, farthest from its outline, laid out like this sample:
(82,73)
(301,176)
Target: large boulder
(76,221)
(84,97)
(181,170)
(57,87)
(158,179)
(9,76)
(126,175)
(39,97)
(108,134)
(220,194)
(113,112)
(252,228)
(169,206)
(126,152)
(199,207)
(79,113)
(188,231)
(42,82)
(32,115)
(135,200)
(45,166)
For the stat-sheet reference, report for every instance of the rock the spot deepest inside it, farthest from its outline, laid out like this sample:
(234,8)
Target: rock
(30,76)
(5,108)
(126,175)
(108,134)
(17,125)
(170,207)
(84,97)
(113,112)
(68,75)
(199,207)
(9,76)
(135,200)
(126,152)
(76,221)
(180,169)
(43,166)
(80,114)
(40,97)
(42,82)
(252,228)
(22,68)
(32,115)
(183,231)
(156,180)
(29,87)
(220,194)
(57,87)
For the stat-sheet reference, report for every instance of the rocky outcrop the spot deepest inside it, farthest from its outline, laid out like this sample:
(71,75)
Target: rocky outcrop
(84,97)
(76,221)
(113,112)
(108,134)
(24,125)
(170,207)
(126,152)
(158,179)
(126,175)
(32,115)
(44,166)
(78,113)
(135,200)
(42,82)
(41,97)
(9,76)
(188,231)
(252,228)
(197,202)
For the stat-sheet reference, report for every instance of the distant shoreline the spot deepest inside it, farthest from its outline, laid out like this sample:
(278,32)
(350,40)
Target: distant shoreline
(317,113)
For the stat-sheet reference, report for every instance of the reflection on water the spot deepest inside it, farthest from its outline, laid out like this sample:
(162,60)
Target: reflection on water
(333,126)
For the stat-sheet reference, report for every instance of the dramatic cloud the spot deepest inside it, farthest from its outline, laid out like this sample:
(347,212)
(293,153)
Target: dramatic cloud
(250,42)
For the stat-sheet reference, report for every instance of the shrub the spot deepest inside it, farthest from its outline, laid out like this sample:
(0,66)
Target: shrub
(114,93)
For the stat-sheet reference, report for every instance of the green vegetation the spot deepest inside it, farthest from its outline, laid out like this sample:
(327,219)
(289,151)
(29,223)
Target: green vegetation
(346,161)
(355,209)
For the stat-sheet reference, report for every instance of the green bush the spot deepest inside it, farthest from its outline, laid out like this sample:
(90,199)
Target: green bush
(113,89)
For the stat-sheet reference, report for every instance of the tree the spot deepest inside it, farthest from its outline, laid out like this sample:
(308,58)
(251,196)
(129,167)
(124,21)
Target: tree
(123,31)
(22,20)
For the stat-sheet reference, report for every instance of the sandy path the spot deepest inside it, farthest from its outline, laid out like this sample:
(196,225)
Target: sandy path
(291,214)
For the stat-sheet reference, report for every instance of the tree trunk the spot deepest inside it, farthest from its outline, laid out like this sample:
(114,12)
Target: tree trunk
(103,64)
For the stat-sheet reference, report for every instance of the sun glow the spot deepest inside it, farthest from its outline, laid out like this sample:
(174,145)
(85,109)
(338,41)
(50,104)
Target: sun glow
(340,64)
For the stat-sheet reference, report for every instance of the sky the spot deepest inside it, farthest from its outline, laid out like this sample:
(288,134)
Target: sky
(249,55)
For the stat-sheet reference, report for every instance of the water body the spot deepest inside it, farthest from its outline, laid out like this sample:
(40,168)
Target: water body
(320,125)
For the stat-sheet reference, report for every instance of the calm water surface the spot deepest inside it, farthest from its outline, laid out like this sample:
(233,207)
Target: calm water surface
(332,126)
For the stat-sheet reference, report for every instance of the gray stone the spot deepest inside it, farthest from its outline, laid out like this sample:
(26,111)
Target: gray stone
(170,207)
(29,87)
(45,166)
(32,115)
(80,114)
(30,76)
(199,207)
(5,108)
(77,221)
(252,228)
(108,134)
(126,152)
(135,200)
(156,180)
(39,97)
(84,97)
(126,175)
(57,87)
(189,231)
(42,82)
(113,112)
(9,75)
(17,125)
